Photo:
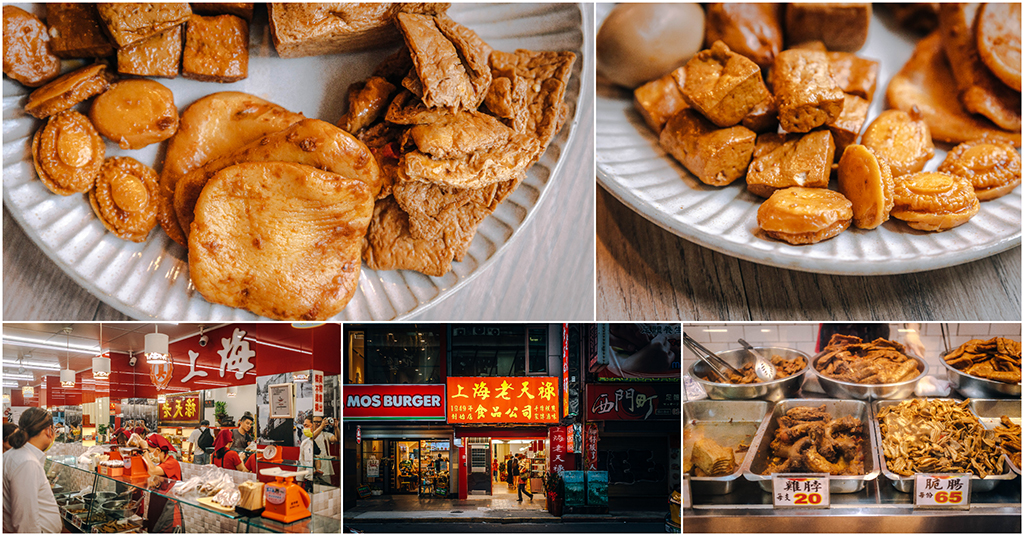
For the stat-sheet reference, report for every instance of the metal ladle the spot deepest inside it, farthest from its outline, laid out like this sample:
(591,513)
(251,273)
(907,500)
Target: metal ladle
(763,368)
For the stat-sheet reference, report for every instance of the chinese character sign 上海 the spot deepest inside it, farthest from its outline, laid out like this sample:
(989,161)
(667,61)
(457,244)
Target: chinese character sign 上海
(502,399)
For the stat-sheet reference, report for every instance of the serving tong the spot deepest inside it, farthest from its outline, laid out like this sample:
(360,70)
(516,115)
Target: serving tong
(763,368)
(717,364)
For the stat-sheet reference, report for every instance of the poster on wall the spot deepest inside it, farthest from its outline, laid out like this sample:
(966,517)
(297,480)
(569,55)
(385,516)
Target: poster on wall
(637,352)
(272,431)
(281,402)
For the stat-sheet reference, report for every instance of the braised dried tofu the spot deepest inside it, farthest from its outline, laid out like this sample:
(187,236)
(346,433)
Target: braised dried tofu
(751,30)
(128,23)
(712,459)
(451,64)
(980,91)
(853,74)
(807,95)
(902,140)
(279,239)
(68,90)
(216,49)
(992,166)
(67,153)
(764,117)
(367,101)
(431,207)
(545,74)
(804,215)
(238,9)
(211,127)
(933,201)
(309,142)
(998,29)
(867,182)
(124,198)
(840,26)
(76,31)
(850,359)
(658,100)
(997,359)
(785,160)
(723,85)
(159,55)
(926,82)
(27,55)
(846,128)
(313,29)
(716,156)
(135,113)
(922,18)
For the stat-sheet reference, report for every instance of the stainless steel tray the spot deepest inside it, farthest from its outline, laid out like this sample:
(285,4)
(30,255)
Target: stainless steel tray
(989,410)
(773,391)
(870,391)
(757,460)
(906,483)
(726,422)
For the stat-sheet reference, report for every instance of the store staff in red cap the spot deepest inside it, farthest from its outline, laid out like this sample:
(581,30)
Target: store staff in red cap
(157,441)
(223,456)
(165,466)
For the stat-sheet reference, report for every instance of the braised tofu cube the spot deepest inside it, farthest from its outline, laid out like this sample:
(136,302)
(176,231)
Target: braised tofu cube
(658,100)
(216,49)
(853,74)
(75,31)
(723,85)
(129,23)
(786,160)
(840,26)
(846,128)
(764,117)
(238,9)
(159,55)
(717,156)
(807,94)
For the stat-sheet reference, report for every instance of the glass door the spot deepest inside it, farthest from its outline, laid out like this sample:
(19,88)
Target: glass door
(407,466)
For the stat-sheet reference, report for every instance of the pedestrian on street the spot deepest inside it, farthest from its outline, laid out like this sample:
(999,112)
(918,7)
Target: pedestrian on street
(524,475)
(512,472)
(494,469)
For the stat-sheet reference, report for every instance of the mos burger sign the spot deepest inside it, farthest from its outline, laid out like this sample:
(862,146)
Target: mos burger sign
(418,402)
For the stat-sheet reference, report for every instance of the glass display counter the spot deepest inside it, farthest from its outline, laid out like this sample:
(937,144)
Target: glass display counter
(123,504)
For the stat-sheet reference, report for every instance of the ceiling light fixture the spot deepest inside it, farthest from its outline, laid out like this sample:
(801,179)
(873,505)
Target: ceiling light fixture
(156,348)
(232,391)
(299,377)
(160,399)
(28,391)
(27,342)
(35,365)
(101,363)
(16,377)
(67,376)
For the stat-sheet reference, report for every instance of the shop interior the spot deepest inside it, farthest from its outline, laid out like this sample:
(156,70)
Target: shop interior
(535,451)
(420,467)
(110,392)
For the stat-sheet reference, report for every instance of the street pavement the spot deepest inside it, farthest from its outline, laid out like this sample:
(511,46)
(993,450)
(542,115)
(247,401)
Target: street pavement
(581,527)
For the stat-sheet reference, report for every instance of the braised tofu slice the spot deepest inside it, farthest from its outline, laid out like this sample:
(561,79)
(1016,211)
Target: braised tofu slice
(846,128)
(723,85)
(839,26)
(658,100)
(716,156)
(853,74)
(129,23)
(808,96)
(216,49)
(786,160)
(159,55)
(75,31)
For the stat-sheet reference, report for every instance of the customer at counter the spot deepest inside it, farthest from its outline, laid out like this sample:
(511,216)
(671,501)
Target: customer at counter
(9,428)
(29,505)
(223,456)
(242,436)
(201,439)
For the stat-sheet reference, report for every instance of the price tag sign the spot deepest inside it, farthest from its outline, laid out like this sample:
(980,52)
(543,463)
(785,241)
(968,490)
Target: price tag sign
(686,492)
(942,490)
(800,490)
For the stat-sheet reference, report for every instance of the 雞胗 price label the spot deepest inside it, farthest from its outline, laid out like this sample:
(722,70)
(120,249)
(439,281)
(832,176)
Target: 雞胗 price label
(800,490)
(946,490)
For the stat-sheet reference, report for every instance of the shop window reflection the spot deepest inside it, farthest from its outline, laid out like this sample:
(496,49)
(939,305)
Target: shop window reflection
(394,354)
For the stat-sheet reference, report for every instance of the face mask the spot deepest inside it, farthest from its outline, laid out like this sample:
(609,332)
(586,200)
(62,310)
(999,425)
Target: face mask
(307,432)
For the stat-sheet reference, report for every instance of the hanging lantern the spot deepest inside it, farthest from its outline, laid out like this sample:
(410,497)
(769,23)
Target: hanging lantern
(28,391)
(101,367)
(67,378)
(156,348)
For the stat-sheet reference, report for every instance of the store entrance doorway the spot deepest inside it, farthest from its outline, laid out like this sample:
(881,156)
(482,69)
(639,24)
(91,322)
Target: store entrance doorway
(534,452)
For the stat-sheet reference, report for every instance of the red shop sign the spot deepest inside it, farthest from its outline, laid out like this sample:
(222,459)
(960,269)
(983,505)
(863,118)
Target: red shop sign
(558,454)
(409,402)
(180,409)
(501,399)
(633,402)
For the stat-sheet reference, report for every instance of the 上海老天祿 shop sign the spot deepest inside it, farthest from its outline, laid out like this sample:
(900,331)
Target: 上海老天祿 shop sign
(391,402)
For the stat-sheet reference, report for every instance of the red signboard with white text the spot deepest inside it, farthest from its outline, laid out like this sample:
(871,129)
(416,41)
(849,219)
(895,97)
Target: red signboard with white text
(394,402)
(503,399)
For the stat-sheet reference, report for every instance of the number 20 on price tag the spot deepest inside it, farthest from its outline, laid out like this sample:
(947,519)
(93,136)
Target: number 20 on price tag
(945,490)
(808,490)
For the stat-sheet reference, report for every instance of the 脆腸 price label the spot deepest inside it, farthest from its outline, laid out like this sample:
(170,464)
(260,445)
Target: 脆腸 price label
(800,490)
(942,491)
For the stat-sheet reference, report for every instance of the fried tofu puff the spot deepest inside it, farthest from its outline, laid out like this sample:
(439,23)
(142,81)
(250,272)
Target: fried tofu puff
(931,201)
(804,215)
(282,240)
(992,166)
(125,198)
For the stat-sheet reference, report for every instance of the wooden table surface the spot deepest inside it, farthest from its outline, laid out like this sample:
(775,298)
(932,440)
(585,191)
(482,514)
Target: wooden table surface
(546,273)
(647,273)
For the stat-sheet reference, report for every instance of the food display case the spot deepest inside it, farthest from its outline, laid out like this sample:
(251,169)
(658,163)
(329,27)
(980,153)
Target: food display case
(125,504)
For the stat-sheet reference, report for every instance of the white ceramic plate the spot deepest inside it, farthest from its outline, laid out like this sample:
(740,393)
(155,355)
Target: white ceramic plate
(151,280)
(635,169)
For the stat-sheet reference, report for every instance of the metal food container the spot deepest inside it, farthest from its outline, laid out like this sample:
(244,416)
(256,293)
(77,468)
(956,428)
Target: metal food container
(906,483)
(975,387)
(990,410)
(757,461)
(727,422)
(116,509)
(774,390)
(871,391)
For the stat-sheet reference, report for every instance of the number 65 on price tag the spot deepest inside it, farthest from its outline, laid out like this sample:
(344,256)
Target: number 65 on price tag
(942,490)
(803,490)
